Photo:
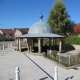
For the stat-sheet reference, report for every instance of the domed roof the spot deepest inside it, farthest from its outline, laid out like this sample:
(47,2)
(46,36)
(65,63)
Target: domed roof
(40,27)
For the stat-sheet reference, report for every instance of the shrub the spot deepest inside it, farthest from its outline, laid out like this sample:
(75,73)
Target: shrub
(72,40)
(54,53)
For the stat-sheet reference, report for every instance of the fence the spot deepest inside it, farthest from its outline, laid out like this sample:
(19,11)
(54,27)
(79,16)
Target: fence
(2,46)
(65,59)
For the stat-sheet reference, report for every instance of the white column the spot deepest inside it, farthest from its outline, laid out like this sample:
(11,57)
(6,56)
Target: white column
(17,73)
(30,49)
(11,44)
(3,46)
(8,45)
(33,43)
(17,42)
(60,45)
(50,43)
(63,43)
(39,45)
(55,73)
(53,43)
(20,45)
(27,43)
(30,45)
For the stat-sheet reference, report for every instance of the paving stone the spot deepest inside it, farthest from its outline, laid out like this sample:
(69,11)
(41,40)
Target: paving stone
(32,67)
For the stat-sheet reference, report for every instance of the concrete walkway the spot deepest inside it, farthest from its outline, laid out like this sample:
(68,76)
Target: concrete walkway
(32,67)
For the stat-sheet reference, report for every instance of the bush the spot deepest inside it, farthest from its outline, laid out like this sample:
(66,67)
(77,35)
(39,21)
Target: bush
(72,40)
(54,53)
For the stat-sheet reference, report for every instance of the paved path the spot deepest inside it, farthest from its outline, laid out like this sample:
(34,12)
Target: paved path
(31,67)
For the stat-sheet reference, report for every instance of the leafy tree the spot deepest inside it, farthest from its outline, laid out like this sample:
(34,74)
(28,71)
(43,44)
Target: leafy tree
(77,28)
(58,16)
(69,27)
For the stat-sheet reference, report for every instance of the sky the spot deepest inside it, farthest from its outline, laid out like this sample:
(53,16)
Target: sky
(24,13)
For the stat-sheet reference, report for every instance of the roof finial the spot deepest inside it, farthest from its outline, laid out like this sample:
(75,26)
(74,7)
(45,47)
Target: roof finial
(41,16)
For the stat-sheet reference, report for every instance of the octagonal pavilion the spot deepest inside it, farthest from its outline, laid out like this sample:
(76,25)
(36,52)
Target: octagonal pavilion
(40,31)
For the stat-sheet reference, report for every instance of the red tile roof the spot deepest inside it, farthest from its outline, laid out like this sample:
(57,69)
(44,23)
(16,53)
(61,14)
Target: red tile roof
(12,31)
(8,31)
(24,31)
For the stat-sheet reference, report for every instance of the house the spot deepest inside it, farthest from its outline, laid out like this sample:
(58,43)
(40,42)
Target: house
(20,32)
(7,32)
(14,32)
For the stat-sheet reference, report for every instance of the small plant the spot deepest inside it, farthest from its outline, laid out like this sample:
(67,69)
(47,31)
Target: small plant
(54,53)
(45,44)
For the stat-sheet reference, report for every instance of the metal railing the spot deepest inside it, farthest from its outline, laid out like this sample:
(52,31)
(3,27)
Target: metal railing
(67,60)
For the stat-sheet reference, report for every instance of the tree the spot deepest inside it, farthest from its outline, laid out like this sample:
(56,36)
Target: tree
(69,27)
(58,16)
(77,28)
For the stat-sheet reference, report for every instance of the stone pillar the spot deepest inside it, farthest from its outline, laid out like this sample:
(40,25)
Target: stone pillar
(50,43)
(20,45)
(27,43)
(17,41)
(33,43)
(53,44)
(3,46)
(63,44)
(39,45)
(60,45)
(42,44)
(30,48)
(30,45)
